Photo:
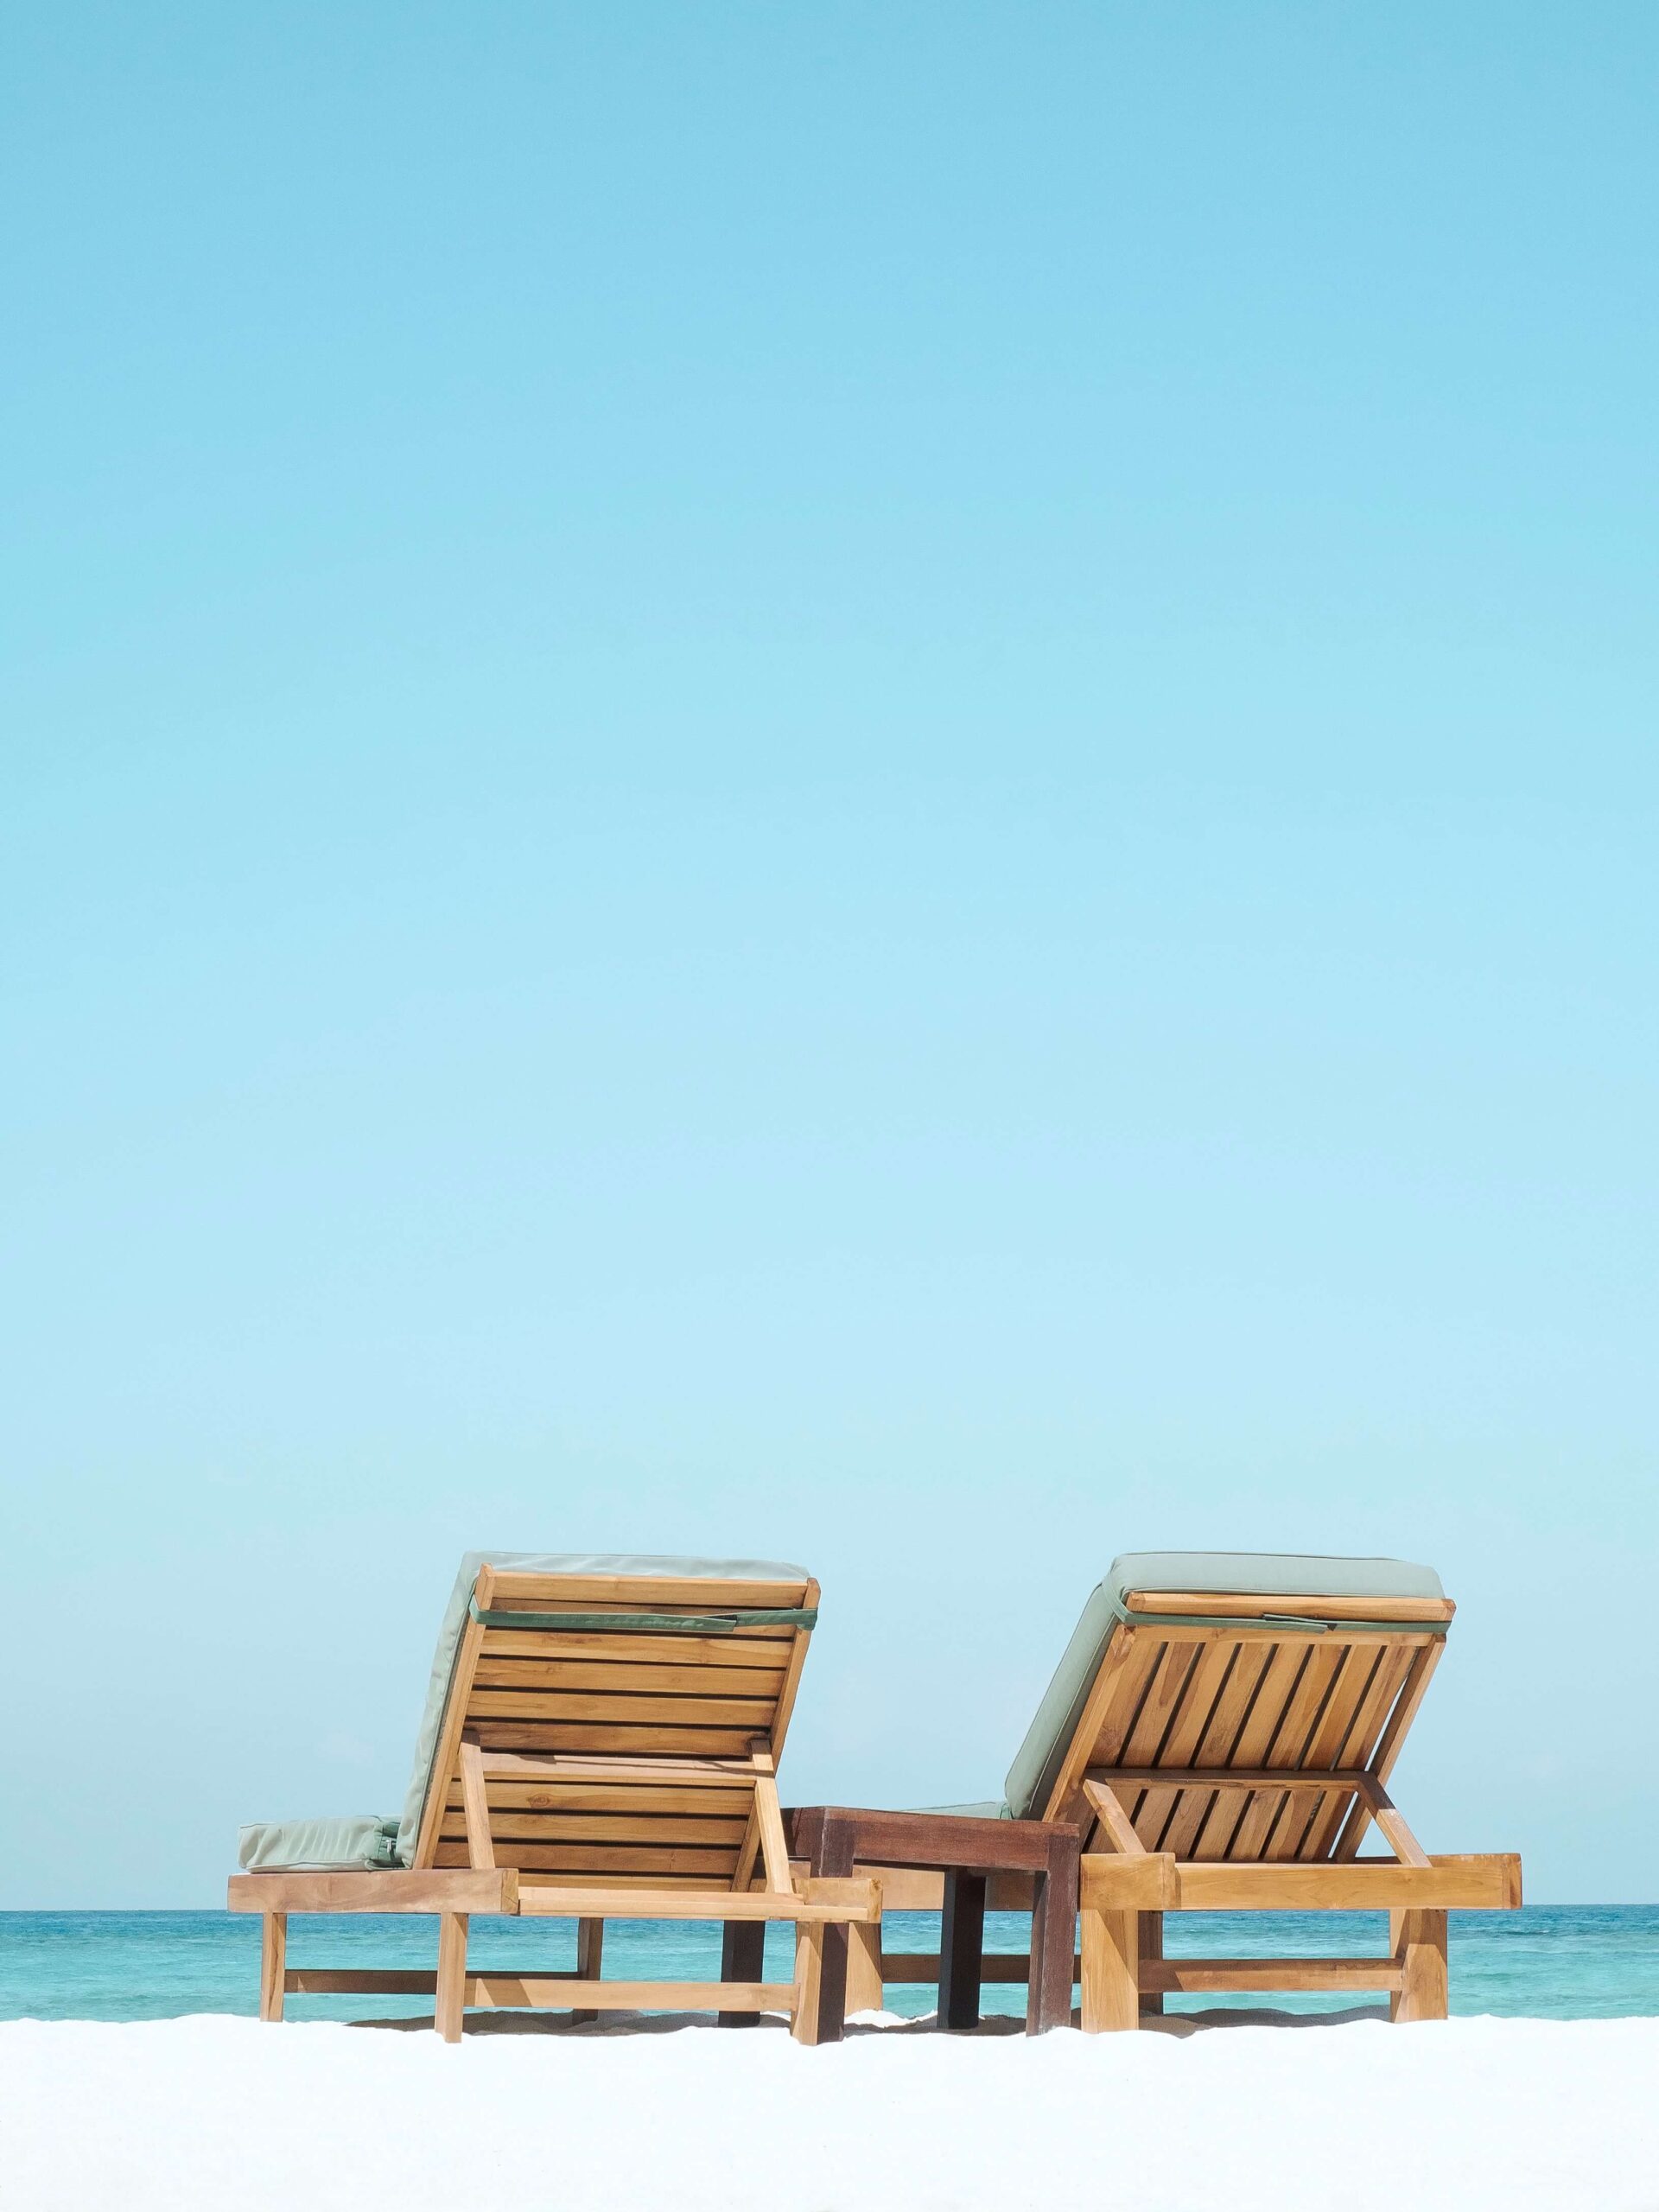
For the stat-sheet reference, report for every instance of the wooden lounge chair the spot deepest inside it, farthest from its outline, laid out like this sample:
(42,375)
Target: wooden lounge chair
(1221,1731)
(599,1740)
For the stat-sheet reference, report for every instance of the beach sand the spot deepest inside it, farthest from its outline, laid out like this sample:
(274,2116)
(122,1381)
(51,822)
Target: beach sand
(214,2112)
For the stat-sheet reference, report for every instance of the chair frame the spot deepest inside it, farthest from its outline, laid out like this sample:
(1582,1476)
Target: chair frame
(1165,1682)
(763,1887)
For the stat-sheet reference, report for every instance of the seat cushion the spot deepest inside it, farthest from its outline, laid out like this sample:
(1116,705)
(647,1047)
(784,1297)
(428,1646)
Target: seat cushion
(349,1840)
(1257,1574)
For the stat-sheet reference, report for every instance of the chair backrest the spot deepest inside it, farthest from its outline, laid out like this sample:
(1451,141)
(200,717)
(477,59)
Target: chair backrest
(618,1704)
(1264,1667)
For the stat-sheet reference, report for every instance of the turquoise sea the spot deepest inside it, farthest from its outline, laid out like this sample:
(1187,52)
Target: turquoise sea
(1553,1962)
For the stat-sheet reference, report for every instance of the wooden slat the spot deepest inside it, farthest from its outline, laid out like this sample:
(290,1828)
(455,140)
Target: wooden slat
(749,1713)
(1295,1732)
(446,1750)
(846,1900)
(558,1990)
(1390,1744)
(424,1890)
(1242,1604)
(475,1809)
(1231,1808)
(1489,1882)
(649,1770)
(605,1736)
(637,1885)
(1162,1701)
(1216,1747)
(360,1982)
(585,1995)
(1471,1886)
(765,1652)
(629,1680)
(1127,1667)
(778,1728)
(509,1826)
(1159,1708)
(601,1859)
(1357,1745)
(1244,1632)
(553,1991)
(1208,1976)
(579,1800)
(1211,1671)
(1309,1783)
(518,1592)
(1347,1700)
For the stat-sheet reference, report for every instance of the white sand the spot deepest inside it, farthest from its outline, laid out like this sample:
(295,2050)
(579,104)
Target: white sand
(212,2111)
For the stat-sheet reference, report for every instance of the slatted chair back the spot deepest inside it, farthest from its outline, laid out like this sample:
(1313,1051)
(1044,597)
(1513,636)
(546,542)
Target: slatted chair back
(618,1730)
(1275,1718)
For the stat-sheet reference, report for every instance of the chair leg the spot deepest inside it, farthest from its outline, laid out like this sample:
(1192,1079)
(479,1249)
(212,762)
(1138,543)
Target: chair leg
(1418,1942)
(273,1964)
(808,1979)
(451,1999)
(742,1958)
(1111,1970)
(865,1990)
(961,1949)
(590,1953)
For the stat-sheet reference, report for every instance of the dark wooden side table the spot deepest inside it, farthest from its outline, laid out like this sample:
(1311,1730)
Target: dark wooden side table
(844,1839)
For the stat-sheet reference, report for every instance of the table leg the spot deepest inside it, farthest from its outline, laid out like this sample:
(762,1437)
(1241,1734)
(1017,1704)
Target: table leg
(962,1948)
(1053,1934)
(833,1853)
(742,1958)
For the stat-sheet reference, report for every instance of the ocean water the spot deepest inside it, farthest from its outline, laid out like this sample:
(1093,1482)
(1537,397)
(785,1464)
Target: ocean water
(1552,1961)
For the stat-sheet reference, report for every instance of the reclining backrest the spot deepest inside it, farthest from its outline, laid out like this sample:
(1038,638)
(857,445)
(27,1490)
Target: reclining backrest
(621,1670)
(1259,1663)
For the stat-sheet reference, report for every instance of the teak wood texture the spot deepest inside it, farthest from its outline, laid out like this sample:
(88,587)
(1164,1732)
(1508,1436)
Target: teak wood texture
(587,1773)
(1231,1760)
(1236,1762)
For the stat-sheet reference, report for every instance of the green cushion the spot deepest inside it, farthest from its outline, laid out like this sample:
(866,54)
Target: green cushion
(455,1619)
(1271,1573)
(351,1839)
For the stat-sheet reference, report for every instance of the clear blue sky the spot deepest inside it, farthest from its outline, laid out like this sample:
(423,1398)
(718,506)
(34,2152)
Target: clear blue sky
(873,783)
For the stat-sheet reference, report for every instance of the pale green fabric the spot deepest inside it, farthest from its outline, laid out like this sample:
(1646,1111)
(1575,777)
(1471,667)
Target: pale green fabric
(366,1840)
(351,1839)
(1255,1573)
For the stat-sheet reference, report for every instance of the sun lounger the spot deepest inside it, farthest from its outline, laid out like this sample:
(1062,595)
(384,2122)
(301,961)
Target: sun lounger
(1221,1731)
(599,1741)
